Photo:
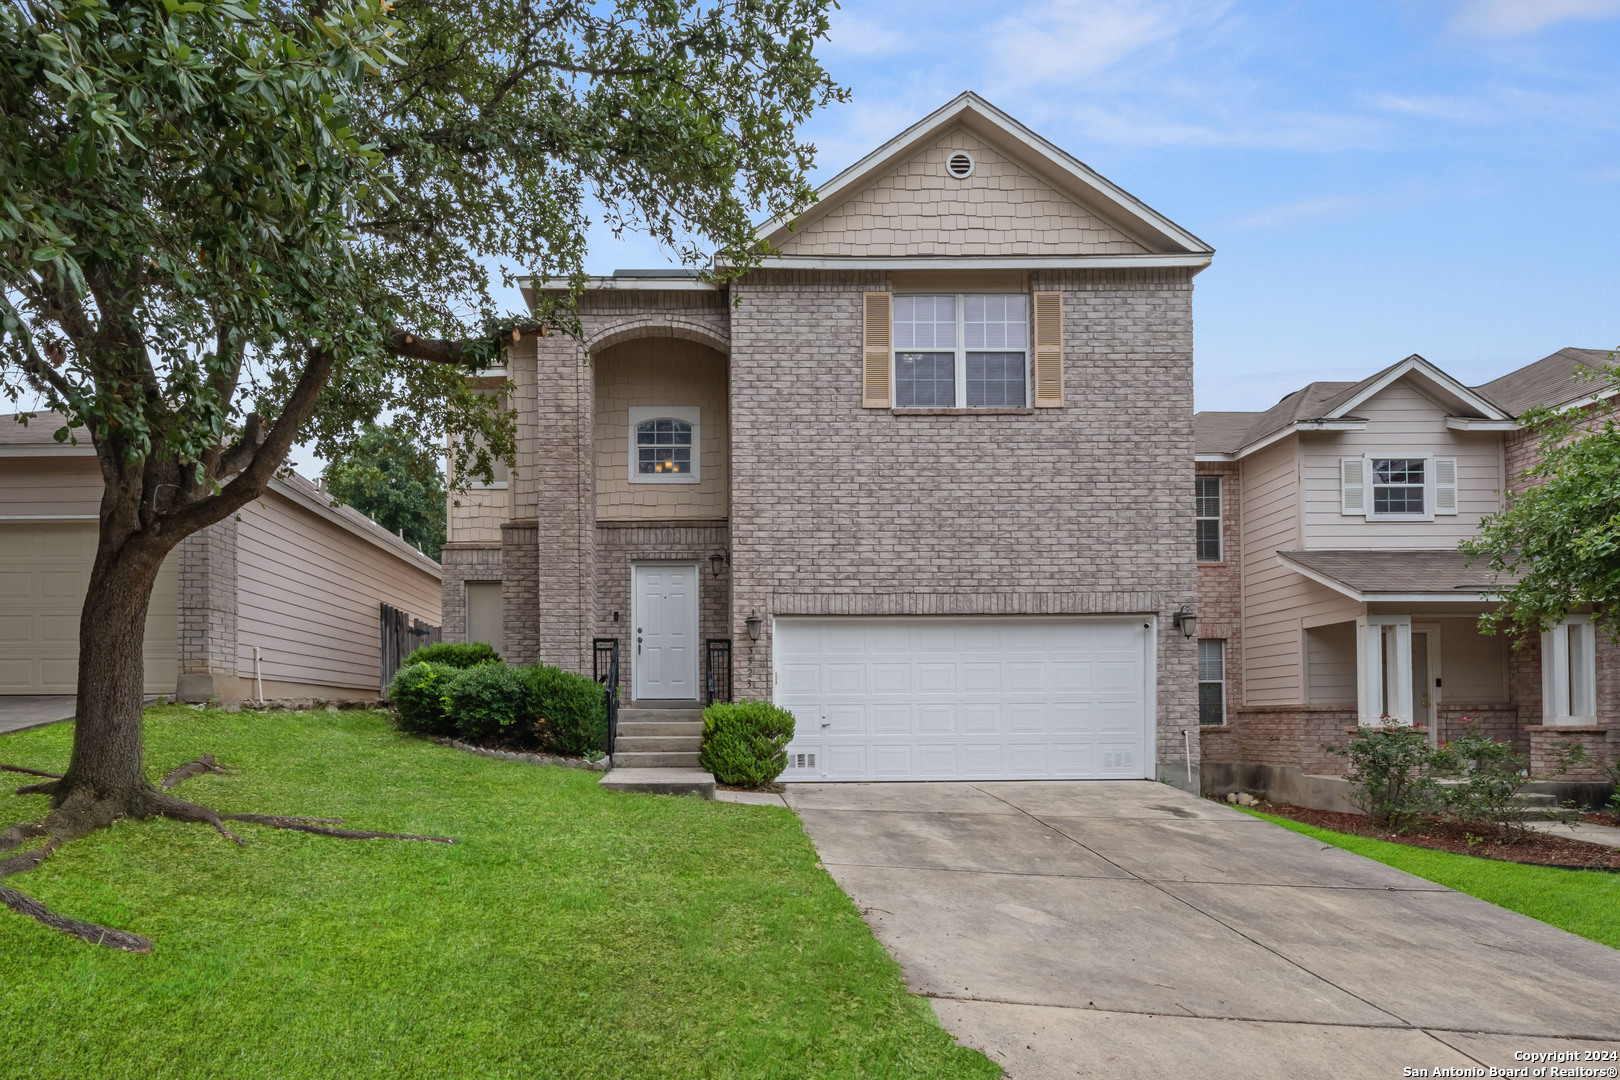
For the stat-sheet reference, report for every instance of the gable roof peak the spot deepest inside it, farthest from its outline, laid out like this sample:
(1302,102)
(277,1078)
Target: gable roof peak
(1066,174)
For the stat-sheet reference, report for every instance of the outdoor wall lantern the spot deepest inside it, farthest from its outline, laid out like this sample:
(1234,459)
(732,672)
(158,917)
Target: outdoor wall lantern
(718,562)
(754,624)
(1185,620)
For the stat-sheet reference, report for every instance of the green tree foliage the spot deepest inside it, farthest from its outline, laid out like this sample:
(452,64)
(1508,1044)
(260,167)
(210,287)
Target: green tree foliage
(227,226)
(390,476)
(1556,545)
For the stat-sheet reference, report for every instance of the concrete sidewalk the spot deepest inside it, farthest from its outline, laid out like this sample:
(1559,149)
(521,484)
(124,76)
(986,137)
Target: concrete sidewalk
(26,711)
(1130,929)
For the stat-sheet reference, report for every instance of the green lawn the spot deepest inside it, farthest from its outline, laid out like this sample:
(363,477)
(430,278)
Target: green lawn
(1584,902)
(570,933)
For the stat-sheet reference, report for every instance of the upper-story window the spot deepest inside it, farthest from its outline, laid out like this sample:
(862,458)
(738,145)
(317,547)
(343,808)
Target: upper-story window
(1208,517)
(961,349)
(1399,485)
(665,446)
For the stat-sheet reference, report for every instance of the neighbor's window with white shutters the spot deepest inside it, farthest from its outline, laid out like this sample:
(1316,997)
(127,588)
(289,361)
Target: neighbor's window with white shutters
(1208,518)
(962,349)
(1211,681)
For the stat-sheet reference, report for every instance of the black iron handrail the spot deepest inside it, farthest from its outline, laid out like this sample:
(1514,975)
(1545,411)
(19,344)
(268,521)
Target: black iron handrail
(605,670)
(717,669)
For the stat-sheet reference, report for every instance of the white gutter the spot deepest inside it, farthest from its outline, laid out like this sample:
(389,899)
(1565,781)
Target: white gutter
(987,262)
(1470,423)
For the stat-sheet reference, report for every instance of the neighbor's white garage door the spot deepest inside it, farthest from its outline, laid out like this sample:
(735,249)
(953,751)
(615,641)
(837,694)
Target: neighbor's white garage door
(44,571)
(965,698)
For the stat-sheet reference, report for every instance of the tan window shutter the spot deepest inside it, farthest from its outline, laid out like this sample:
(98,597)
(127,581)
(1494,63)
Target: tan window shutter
(877,337)
(1048,350)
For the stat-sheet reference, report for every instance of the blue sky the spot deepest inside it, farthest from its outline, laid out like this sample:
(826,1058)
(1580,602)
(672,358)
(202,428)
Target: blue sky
(1378,178)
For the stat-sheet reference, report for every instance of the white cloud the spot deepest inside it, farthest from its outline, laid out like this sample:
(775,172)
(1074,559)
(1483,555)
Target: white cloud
(1297,210)
(855,35)
(1067,41)
(1510,18)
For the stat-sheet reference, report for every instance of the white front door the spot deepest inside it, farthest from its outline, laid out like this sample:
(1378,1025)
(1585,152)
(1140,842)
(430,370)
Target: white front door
(664,652)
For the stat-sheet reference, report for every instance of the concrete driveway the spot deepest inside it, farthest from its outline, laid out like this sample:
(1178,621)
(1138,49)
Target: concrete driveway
(24,711)
(1131,929)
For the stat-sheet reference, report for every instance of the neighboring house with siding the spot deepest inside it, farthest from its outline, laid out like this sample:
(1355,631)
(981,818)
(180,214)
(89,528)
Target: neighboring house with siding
(923,473)
(290,583)
(1331,591)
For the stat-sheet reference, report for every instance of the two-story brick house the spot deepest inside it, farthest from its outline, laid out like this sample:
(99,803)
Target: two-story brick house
(1332,593)
(923,473)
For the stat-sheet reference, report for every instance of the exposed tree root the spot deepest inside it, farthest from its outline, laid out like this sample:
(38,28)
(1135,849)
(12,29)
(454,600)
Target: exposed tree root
(95,935)
(82,812)
(276,821)
(205,763)
(44,787)
(29,772)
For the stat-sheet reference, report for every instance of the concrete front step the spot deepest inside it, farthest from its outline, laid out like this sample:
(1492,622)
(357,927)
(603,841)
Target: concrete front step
(660,728)
(660,716)
(665,781)
(637,744)
(659,759)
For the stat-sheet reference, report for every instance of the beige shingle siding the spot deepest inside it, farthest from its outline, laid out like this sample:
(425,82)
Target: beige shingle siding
(920,209)
(660,372)
(477,513)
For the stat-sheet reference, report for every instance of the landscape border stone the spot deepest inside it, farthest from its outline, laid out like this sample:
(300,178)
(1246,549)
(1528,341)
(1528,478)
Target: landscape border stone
(601,765)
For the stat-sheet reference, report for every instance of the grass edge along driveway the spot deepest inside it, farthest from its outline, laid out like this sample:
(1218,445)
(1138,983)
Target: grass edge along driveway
(570,932)
(1584,902)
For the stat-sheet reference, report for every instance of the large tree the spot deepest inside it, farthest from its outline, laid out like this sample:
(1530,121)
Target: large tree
(392,478)
(1555,545)
(227,226)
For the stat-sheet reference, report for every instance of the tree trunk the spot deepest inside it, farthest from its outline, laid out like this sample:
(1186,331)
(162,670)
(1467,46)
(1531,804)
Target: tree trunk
(105,776)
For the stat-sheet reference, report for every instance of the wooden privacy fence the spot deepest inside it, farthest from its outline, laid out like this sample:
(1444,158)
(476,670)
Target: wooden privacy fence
(401,636)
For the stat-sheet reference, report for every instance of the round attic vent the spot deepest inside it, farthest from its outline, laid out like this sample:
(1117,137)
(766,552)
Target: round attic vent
(960,164)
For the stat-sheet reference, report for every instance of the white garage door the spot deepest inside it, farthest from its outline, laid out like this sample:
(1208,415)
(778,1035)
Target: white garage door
(965,699)
(44,571)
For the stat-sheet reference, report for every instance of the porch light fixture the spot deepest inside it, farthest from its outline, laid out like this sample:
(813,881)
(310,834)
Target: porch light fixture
(754,624)
(1185,621)
(718,562)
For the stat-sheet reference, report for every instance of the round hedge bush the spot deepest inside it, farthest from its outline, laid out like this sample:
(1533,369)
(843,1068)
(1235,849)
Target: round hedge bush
(492,703)
(570,709)
(744,744)
(418,693)
(458,654)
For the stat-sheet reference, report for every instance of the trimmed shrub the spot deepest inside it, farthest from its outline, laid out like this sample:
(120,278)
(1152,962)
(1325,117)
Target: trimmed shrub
(492,703)
(744,744)
(570,710)
(458,654)
(418,692)
(1392,774)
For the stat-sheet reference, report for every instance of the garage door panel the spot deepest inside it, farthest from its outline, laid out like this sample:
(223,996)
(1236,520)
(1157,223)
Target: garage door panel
(58,674)
(966,698)
(892,762)
(934,719)
(59,629)
(15,628)
(891,720)
(846,678)
(16,585)
(63,584)
(17,676)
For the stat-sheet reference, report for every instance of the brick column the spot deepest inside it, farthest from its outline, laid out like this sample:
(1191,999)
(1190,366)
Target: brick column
(565,511)
(207,610)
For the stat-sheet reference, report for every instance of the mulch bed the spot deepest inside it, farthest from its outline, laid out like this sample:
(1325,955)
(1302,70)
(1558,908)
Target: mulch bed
(1536,849)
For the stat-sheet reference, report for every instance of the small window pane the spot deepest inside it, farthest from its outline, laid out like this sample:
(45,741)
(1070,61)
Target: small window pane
(663,447)
(1212,682)
(925,380)
(995,378)
(925,322)
(1207,496)
(994,322)
(1398,485)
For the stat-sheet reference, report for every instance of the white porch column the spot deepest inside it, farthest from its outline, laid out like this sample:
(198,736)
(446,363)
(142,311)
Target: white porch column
(1384,668)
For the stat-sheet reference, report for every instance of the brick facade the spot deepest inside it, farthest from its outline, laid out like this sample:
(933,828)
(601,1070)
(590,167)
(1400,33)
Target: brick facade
(462,563)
